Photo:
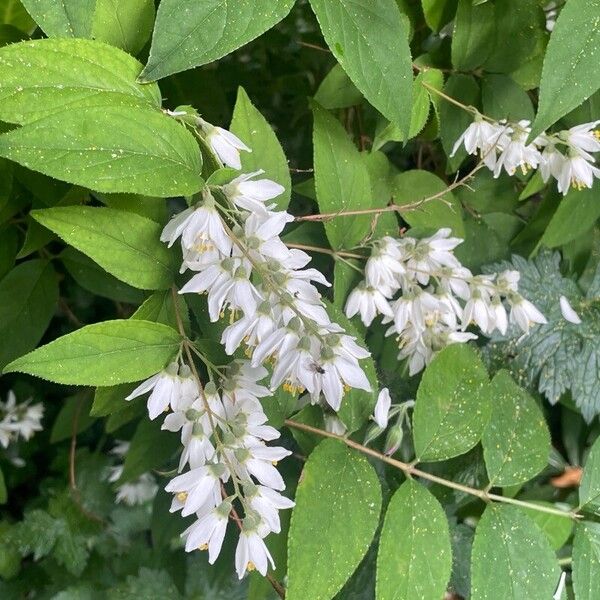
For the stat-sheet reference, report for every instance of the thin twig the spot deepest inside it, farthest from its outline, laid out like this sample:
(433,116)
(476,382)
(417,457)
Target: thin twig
(410,470)
(314,47)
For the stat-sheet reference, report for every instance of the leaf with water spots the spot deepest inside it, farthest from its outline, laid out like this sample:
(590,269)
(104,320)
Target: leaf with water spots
(571,71)
(452,406)
(336,514)
(62,18)
(102,354)
(370,40)
(126,245)
(415,555)
(586,561)
(516,442)
(189,33)
(511,559)
(110,149)
(589,489)
(42,77)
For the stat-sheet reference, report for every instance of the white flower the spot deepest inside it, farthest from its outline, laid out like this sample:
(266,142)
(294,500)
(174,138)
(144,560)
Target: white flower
(382,408)
(384,266)
(576,171)
(498,315)
(252,553)
(582,138)
(524,313)
(252,195)
(197,488)
(568,312)
(369,302)
(261,232)
(267,502)
(259,460)
(224,144)
(295,366)
(516,153)
(19,420)
(485,137)
(137,492)
(208,532)
(252,329)
(166,391)
(432,254)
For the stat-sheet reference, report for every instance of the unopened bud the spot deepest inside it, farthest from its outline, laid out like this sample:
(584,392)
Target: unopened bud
(210,389)
(393,440)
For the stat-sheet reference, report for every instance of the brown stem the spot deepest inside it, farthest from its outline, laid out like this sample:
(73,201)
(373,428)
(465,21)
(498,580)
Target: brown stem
(322,250)
(410,470)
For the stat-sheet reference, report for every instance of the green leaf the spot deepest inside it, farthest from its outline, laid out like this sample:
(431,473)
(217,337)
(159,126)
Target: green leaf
(452,406)
(3,491)
(413,186)
(438,12)
(110,149)
(150,448)
(28,297)
(589,489)
(124,244)
(71,551)
(415,557)
(189,33)
(12,12)
(267,154)
(370,41)
(90,276)
(102,354)
(110,400)
(512,559)
(36,534)
(42,77)
(67,18)
(473,30)
(160,308)
(337,90)
(556,528)
(575,215)
(126,25)
(75,409)
(502,98)
(586,561)
(342,181)
(571,71)
(323,548)
(516,442)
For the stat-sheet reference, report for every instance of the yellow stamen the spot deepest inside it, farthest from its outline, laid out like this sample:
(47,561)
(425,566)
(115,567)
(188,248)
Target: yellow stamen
(250,567)
(203,547)
(182,496)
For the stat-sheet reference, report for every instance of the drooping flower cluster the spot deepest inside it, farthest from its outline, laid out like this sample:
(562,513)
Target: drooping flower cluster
(132,493)
(566,155)
(19,420)
(430,299)
(223,433)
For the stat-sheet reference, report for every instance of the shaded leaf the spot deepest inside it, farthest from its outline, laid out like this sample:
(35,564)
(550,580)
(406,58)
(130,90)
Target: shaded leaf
(67,18)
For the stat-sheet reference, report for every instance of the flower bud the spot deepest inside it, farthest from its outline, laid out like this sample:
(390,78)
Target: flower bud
(393,439)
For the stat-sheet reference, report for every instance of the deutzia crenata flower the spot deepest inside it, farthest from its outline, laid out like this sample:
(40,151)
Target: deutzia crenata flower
(252,553)
(524,313)
(431,254)
(224,144)
(576,171)
(484,137)
(382,408)
(582,138)
(198,488)
(568,312)
(208,532)
(19,420)
(516,153)
(251,194)
(251,328)
(384,266)
(369,302)
(267,502)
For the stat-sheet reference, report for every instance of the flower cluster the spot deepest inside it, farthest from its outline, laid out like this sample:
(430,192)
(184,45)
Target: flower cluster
(19,420)
(132,493)
(565,155)
(430,299)
(223,433)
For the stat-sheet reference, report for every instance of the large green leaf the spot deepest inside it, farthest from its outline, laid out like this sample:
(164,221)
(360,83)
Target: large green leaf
(42,77)
(516,442)
(336,514)
(126,25)
(369,38)
(110,149)
(473,29)
(586,561)
(556,528)
(28,296)
(62,18)
(452,406)
(123,243)
(512,559)
(267,154)
(415,556)
(102,354)
(571,71)
(502,98)
(190,33)
(589,489)
(342,181)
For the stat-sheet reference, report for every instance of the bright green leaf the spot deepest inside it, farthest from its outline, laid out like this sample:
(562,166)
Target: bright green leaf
(252,128)
(103,354)
(42,77)
(62,18)
(123,243)
(452,406)
(190,33)
(556,528)
(369,38)
(511,559)
(589,489)
(337,90)
(110,149)
(516,442)
(126,25)
(338,487)
(586,561)
(12,12)
(28,296)
(571,71)
(415,557)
